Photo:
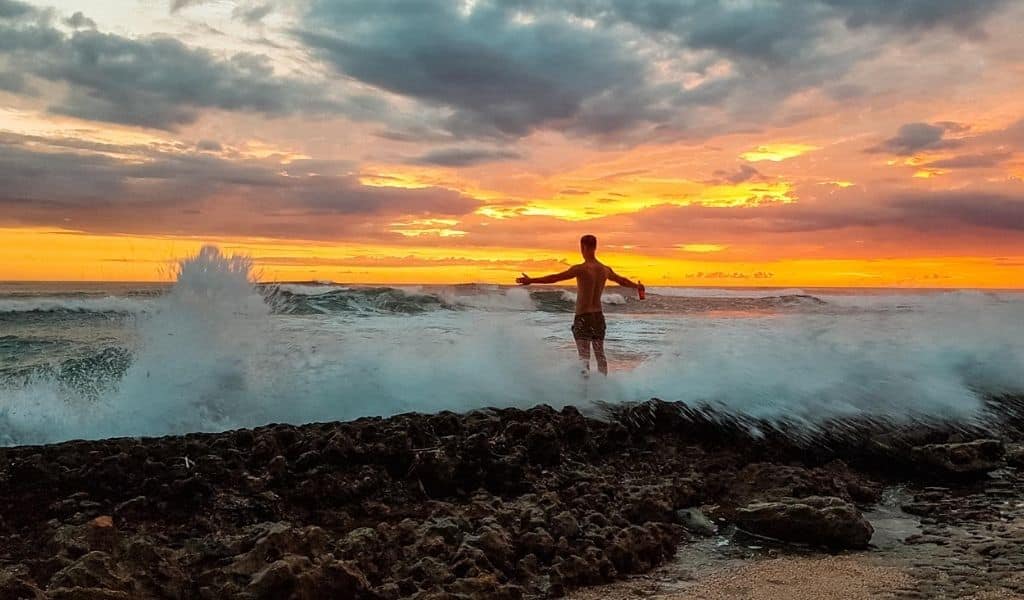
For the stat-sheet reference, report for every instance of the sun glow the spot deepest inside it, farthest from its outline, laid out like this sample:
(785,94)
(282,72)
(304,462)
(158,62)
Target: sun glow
(636,194)
(39,255)
(426,227)
(701,248)
(777,152)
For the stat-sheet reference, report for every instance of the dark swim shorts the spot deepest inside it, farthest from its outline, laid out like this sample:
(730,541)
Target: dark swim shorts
(589,326)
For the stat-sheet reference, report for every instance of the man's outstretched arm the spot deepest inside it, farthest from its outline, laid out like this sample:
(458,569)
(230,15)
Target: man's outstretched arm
(619,279)
(566,274)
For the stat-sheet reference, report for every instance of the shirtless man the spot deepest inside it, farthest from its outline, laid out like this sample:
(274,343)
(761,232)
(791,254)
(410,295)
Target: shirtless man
(588,326)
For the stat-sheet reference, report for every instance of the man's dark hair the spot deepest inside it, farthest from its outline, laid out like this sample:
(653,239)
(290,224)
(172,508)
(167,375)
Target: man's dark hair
(588,241)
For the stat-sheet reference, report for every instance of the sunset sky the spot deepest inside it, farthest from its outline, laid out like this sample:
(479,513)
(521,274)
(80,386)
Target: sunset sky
(705,142)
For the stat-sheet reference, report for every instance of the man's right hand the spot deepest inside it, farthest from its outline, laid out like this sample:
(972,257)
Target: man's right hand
(524,280)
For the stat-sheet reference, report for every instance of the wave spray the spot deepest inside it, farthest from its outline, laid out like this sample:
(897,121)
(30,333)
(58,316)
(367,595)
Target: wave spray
(218,352)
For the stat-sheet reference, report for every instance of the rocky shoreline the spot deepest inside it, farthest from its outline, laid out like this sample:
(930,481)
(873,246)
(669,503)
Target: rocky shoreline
(497,504)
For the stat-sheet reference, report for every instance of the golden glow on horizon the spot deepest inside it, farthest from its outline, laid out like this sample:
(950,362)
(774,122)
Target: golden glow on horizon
(777,152)
(496,212)
(581,197)
(629,195)
(42,254)
(701,248)
(424,227)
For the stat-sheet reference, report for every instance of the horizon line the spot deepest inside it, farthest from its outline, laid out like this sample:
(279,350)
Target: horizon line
(407,284)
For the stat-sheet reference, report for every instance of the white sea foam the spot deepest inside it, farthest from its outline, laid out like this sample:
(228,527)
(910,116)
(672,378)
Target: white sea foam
(606,298)
(703,292)
(53,304)
(894,366)
(309,289)
(932,301)
(516,299)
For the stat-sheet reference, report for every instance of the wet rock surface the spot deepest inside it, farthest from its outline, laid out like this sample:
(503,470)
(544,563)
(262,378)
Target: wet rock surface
(964,458)
(490,504)
(821,520)
(971,539)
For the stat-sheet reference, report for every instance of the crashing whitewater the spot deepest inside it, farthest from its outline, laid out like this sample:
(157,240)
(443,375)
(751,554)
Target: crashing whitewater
(218,352)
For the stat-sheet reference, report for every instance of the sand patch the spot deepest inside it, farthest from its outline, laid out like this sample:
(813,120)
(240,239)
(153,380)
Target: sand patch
(793,578)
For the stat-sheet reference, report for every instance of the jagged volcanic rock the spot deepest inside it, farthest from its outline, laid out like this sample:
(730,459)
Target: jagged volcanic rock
(820,520)
(489,504)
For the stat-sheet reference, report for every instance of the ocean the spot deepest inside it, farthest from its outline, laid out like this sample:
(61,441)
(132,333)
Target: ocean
(214,351)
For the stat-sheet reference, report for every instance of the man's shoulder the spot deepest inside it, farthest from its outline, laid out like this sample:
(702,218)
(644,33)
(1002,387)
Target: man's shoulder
(590,267)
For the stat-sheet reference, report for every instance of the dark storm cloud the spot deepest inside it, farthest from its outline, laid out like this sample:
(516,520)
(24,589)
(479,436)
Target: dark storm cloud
(79,21)
(252,13)
(464,157)
(503,68)
(98,192)
(916,13)
(979,209)
(498,76)
(12,9)
(28,42)
(604,69)
(774,33)
(14,82)
(914,137)
(160,82)
(684,16)
(75,179)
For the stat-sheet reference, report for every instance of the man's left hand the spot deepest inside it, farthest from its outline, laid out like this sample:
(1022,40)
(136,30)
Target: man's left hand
(524,280)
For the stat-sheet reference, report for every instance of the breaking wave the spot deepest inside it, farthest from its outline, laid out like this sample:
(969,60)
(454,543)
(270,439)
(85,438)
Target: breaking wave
(298,299)
(703,292)
(285,300)
(107,304)
(218,351)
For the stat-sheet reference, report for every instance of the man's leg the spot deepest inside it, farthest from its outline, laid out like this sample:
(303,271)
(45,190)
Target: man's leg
(583,347)
(602,360)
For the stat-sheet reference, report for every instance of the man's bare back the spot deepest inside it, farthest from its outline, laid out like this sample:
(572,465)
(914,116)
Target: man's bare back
(588,328)
(591,276)
(590,279)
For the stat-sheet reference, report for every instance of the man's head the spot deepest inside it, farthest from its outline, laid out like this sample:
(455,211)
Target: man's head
(588,246)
